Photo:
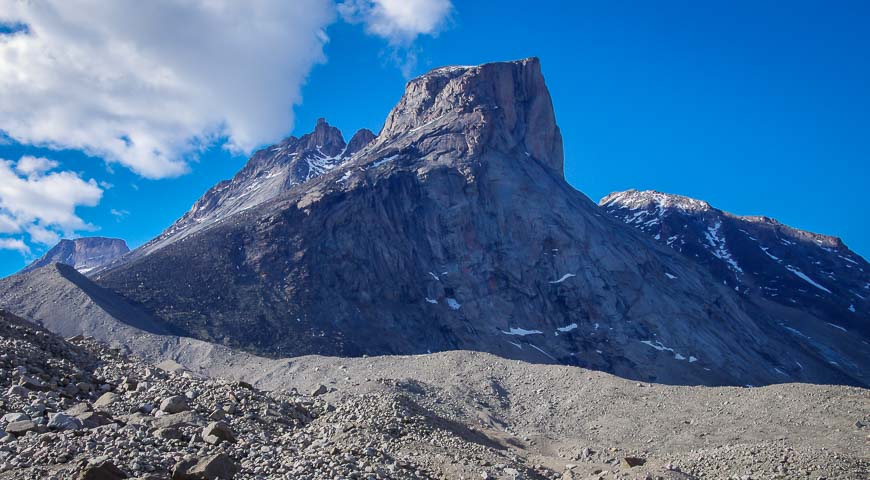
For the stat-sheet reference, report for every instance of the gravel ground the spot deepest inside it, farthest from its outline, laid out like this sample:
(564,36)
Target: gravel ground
(81,409)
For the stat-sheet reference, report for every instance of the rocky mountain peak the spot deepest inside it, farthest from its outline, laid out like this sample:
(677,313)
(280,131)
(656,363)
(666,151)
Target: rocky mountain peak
(827,241)
(504,106)
(325,138)
(758,256)
(636,200)
(359,140)
(83,254)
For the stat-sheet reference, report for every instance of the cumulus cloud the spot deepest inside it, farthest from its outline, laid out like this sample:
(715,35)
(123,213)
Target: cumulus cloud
(14,244)
(399,22)
(148,84)
(34,165)
(8,224)
(43,203)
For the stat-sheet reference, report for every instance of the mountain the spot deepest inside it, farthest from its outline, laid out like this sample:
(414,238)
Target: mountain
(815,273)
(455,228)
(83,254)
(269,172)
(814,284)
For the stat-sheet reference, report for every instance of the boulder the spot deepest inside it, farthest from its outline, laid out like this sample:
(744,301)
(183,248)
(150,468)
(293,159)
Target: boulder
(220,466)
(18,390)
(320,390)
(102,471)
(217,432)
(106,400)
(93,420)
(34,384)
(178,419)
(174,404)
(22,427)
(78,409)
(62,421)
(15,417)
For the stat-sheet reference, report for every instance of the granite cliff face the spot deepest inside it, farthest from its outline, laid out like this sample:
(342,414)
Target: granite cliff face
(454,228)
(83,254)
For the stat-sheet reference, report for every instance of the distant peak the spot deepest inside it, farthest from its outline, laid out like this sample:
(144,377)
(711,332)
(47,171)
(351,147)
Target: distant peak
(359,140)
(83,254)
(325,138)
(634,199)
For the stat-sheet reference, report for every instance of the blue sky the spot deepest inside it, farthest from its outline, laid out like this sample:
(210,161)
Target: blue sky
(757,107)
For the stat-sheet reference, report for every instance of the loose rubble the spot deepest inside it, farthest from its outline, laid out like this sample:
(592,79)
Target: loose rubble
(80,409)
(103,415)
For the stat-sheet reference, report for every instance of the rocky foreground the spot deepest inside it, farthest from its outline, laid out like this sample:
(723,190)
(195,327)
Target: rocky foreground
(79,409)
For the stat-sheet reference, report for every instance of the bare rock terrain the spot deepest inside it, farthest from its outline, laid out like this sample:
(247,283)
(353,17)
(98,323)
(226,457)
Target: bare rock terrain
(82,409)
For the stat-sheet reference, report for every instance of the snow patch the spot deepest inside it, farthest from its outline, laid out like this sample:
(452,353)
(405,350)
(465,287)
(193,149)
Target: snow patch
(432,300)
(563,278)
(345,177)
(522,332)
(765,250)
(384,160)
(567,328)
(719,248)
(848,259)
(545,353)
(453,304)
(672,277)
(837,326)
(805,278)
(660,347)
(796,332)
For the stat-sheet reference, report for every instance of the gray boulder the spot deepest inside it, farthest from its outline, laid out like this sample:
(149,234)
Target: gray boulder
(106,400)
(15,417)
(178,420)
(174,404)
(22,427)
(102,471)
(93,420)
(17,390)
(62,421)
(220,466)
(217,432)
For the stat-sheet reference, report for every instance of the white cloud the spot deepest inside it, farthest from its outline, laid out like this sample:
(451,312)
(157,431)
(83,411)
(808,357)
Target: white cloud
(148,84)
(43,235)
(8,224)
(44,203)
(399,22)
(119,214)
(28,165)
(14,244)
